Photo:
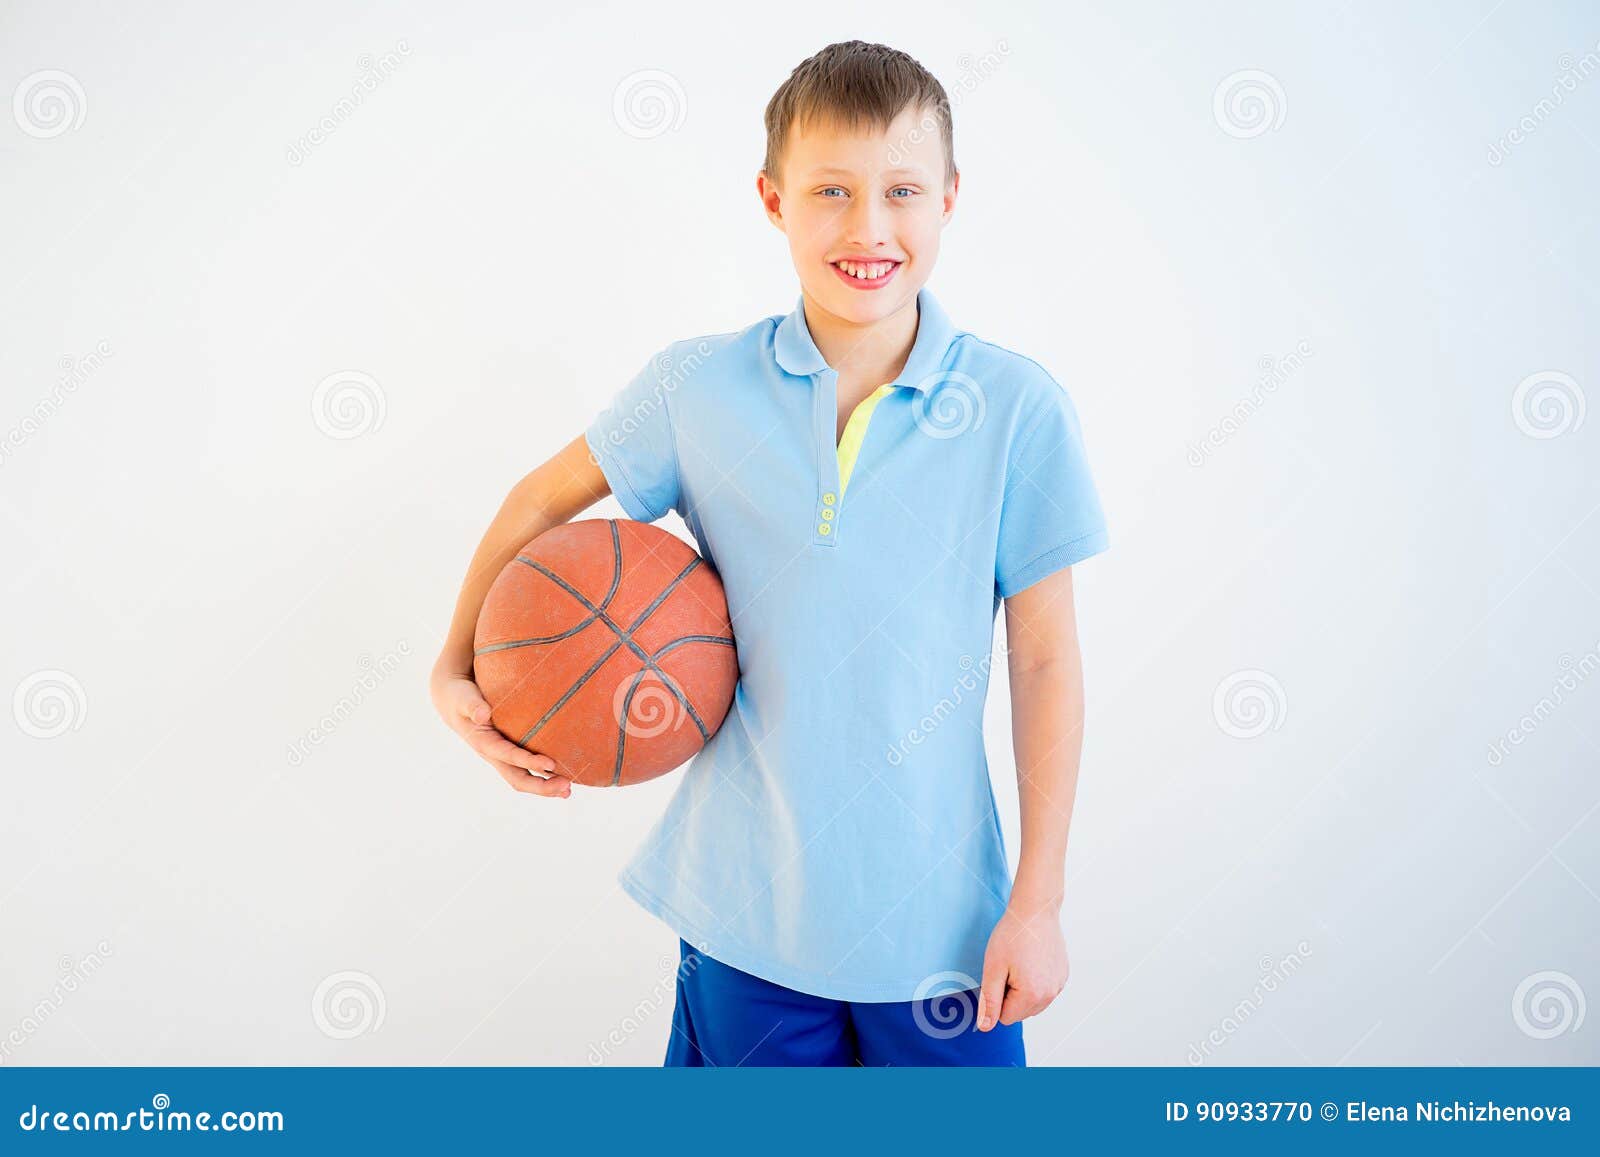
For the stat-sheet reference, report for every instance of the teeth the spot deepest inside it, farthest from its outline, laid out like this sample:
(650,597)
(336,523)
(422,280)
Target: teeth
(866,272)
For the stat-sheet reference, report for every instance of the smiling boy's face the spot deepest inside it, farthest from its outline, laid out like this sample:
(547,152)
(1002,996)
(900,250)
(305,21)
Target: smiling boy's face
(863,210)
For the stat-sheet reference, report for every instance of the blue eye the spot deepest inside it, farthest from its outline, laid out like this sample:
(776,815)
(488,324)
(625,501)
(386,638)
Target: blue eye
(832,189)
(907,189)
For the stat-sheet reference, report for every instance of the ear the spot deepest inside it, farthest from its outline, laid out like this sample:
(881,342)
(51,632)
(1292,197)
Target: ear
(771,200)
(950,198)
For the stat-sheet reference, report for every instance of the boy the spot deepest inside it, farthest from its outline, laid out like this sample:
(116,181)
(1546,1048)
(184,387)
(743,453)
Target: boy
(870,483)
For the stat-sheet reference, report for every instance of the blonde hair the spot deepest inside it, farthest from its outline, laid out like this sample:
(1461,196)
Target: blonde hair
(854,83)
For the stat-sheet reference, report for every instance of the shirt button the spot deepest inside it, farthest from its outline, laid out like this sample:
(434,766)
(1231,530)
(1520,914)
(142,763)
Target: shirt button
(826,514)
(824,528)
(828,499)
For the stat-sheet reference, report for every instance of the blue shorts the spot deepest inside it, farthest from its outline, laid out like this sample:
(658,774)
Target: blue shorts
(726,1018)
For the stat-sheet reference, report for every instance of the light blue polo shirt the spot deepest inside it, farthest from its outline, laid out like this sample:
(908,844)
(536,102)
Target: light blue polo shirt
(838,834)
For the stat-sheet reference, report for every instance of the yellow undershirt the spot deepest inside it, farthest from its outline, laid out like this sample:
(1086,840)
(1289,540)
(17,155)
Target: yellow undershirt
(855,429)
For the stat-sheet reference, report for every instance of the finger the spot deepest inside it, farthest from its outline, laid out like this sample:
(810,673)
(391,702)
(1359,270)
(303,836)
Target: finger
(1017,1007)
(990,994)
(556,787)
(470,703)
(490,744)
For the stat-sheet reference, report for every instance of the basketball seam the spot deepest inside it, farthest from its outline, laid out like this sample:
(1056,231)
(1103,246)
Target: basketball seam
(624,638)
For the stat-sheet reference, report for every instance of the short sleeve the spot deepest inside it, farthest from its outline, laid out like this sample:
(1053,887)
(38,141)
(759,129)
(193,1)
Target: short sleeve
(1050,517)
(632,442)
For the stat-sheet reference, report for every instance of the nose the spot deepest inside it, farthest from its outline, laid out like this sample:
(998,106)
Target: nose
(867,224)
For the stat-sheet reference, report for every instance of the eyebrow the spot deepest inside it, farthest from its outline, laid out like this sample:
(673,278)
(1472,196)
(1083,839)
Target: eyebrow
(900,171)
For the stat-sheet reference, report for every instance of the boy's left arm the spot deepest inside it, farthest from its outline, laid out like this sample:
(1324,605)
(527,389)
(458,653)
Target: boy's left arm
(1025,966)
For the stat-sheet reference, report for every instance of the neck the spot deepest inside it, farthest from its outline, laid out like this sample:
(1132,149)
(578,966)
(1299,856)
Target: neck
(877,349)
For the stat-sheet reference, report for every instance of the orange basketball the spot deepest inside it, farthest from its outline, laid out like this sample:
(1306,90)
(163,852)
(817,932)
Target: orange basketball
(607,646)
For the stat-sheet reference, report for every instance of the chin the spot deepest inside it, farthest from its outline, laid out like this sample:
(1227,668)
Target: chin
(865,308)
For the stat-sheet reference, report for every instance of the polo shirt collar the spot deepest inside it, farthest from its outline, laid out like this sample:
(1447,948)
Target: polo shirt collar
(798,354)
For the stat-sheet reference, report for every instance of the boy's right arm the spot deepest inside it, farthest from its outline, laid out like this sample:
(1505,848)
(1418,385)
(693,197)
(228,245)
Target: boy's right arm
(565,486)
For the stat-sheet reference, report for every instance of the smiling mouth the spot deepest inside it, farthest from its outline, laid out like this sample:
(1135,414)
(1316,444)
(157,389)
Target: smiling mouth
(866,274)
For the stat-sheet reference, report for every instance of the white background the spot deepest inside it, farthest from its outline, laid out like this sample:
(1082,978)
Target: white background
(213,572)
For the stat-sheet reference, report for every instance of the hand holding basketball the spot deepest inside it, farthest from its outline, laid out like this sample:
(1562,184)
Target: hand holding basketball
(461,705)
